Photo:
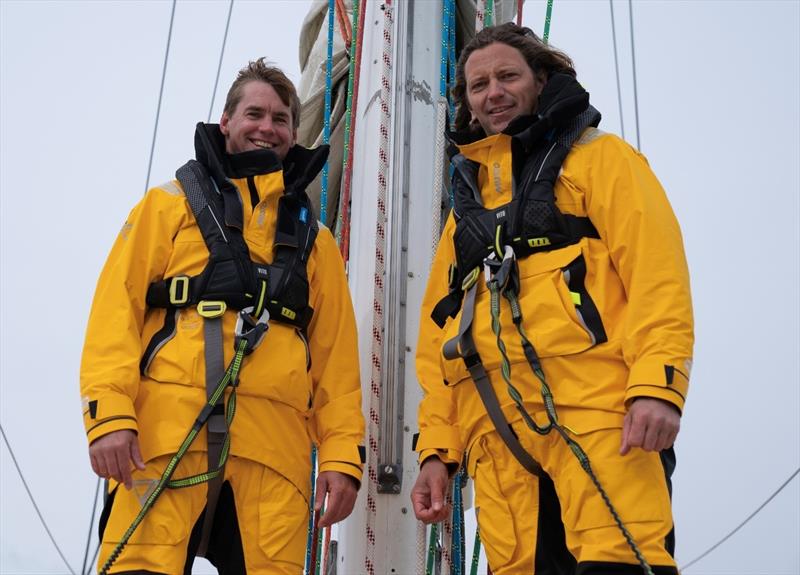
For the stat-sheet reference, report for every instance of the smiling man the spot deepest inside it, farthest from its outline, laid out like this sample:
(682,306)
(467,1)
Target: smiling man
(223,285)
(558,375)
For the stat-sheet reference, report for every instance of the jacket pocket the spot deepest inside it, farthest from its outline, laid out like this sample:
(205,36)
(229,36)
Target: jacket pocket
(174,350)
(559,316)
(278,369)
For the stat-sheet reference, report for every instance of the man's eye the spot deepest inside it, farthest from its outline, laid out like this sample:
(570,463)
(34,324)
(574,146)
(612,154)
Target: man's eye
(477,86)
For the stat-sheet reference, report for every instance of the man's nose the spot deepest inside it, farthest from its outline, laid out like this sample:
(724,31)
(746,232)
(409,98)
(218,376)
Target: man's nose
(266,124)
(495,89)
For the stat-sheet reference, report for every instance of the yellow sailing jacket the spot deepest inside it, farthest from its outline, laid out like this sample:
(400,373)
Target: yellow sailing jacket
(636,275)
(292,391)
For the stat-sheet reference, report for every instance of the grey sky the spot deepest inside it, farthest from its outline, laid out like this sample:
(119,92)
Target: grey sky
(719,110)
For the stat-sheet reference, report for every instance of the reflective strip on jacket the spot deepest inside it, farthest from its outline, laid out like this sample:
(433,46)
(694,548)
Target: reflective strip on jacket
(282,406)
(636,275)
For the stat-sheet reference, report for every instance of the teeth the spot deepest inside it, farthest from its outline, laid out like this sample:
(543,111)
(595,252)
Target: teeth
(263,144)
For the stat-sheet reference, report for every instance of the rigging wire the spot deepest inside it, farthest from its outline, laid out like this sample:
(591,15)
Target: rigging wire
(91,524)
(219,65)
(30,496)
(616,67)
(160,94)
(633,64)
(742,524)
(94,559)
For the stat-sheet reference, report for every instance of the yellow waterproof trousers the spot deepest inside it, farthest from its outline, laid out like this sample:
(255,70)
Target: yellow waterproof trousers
(507,502)
(272,519)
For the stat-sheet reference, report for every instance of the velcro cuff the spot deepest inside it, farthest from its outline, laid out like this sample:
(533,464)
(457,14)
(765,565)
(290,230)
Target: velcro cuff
(657,392)
(448,456)
(671,377)
(342,451)
(108,413)
(439,437)
(354,471)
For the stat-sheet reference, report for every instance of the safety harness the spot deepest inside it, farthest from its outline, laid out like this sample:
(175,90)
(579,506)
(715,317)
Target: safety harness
(493,240)
(231,280)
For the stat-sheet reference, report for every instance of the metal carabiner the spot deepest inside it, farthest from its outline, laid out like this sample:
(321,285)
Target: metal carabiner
(249,329)
(500,271)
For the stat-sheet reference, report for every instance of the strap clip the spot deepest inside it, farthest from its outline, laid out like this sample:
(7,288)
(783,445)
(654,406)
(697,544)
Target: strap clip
(249,329)
(211,309)
(179,290)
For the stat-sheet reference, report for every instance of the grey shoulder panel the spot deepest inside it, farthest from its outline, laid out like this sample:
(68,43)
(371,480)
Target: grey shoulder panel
(589,135)
(171,188)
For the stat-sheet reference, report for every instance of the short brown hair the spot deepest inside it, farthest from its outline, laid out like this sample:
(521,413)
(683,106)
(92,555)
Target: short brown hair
(261,71)
(541,58)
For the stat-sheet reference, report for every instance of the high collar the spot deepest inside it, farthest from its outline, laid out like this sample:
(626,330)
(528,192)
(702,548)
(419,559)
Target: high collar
(561,100)
(300,166)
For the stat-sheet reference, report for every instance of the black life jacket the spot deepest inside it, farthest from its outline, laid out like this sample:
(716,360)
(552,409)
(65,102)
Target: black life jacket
(231,279)
(531,222)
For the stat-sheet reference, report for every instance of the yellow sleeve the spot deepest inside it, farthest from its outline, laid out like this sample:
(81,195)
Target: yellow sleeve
(109,374)
(438,428)
(337,420)
(631,212)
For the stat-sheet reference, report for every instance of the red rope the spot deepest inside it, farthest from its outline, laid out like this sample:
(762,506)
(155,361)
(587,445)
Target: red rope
(348,169)
(344,24)
(519,12)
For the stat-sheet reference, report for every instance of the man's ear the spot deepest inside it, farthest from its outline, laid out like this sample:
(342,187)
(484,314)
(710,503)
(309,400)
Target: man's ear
(294,136)
(223,123)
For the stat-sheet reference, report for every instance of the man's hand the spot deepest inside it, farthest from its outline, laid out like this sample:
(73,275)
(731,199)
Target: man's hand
(651,424)
(429,492)
(341,490)
(112,455)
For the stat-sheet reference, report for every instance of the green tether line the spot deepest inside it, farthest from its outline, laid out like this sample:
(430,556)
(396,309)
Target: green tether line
(488,15)
(230,378)
(476,553)
(432,548)
(547,18)
(496,291)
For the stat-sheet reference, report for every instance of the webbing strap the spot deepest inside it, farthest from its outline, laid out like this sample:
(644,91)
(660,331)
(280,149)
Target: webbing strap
(216,427)
(463,345)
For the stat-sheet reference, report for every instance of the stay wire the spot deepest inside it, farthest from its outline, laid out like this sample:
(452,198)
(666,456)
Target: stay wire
(160,95)
(616,67)
(742,524)
(219,65)
(91,524)
(633,64)
(33,501)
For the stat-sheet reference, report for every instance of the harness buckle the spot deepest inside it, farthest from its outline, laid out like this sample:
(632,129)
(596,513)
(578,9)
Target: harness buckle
(179,290)
(250,329)
(471,278)
(211,309)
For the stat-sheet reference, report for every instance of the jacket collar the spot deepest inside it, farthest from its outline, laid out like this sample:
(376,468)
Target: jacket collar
(300,167)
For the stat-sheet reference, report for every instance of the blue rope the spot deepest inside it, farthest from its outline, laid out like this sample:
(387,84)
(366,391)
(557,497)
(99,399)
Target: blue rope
(458,518)
(445,48)
(310,534)
(326,132)
(450,70)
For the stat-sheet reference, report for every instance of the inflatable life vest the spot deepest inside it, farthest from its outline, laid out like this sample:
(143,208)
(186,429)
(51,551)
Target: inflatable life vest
(531,222)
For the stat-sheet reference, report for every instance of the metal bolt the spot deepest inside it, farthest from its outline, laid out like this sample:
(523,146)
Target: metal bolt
(396,488)
(403,510)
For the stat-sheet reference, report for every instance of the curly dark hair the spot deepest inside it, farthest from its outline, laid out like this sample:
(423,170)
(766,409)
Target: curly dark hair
(542,59)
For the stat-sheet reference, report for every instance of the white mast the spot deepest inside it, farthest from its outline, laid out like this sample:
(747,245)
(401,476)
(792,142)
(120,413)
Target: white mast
(415,37)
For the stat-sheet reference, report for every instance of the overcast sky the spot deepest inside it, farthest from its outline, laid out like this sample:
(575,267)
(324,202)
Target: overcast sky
(719,115)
